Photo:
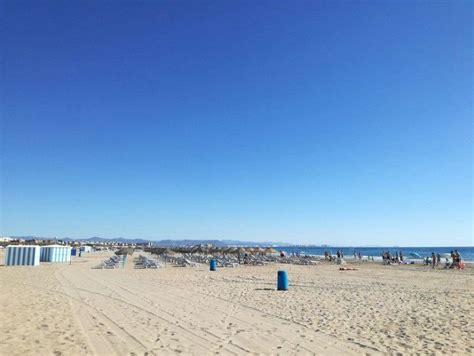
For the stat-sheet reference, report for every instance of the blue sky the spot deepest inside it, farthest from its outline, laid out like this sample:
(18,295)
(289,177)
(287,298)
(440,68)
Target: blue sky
(309,122)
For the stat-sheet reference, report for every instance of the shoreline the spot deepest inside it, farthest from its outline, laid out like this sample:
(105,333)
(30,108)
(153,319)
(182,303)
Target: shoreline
(378,259)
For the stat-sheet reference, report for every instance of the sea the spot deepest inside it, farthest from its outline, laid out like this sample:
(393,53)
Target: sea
(467,252)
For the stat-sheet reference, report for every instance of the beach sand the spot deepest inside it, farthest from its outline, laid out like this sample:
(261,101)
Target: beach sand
(76,310)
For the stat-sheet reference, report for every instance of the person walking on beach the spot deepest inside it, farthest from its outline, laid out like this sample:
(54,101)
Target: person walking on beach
(438,259)
(457,258)
(433,260)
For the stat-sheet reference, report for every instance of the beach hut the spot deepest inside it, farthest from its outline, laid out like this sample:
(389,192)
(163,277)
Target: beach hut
(55,253)
(22,255)
(86,249)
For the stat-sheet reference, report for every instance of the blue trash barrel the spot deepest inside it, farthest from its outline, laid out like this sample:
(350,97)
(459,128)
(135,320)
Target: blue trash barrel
(213,264)
(73,252)
(282,280)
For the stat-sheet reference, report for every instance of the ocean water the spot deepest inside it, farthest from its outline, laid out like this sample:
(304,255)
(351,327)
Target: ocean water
(467,252)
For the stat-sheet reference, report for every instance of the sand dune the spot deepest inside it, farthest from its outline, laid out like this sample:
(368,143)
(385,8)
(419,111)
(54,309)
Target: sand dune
(74,309)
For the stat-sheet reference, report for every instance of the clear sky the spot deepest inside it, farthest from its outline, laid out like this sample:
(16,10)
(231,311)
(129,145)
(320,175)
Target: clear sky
(299,121)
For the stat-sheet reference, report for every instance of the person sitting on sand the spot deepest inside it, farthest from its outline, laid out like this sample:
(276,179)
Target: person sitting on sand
(347,269)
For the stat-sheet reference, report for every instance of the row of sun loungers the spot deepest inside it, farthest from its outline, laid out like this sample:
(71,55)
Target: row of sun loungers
(232,260)
(111,263)
(179,260)
(146,262)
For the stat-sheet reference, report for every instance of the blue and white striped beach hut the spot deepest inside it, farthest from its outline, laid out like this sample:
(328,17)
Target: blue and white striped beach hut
(22,255)
(55,253)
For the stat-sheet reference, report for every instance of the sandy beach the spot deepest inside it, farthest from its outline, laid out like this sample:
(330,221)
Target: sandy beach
(73,309)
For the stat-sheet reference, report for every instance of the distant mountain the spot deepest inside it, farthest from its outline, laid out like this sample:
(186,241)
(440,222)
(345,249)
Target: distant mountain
(166,242)
(118,239)
(219,243)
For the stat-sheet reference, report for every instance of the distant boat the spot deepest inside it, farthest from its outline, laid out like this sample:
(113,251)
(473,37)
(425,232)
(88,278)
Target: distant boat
(415,255)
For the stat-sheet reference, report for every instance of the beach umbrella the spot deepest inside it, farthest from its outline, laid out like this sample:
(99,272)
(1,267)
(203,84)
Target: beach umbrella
(258,250)
(213,249)
(239,250)
(182,249)
(124,251)
(197,249)
(229,250)
(270,250)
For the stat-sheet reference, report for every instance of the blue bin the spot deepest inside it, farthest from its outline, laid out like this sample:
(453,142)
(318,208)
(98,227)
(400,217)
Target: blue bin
(282,280)
(213,265)
(73,252)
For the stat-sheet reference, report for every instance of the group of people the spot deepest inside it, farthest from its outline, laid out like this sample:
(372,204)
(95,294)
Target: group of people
(435,261)
(456,260)
(329,257)
(340,254)
(388,258)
